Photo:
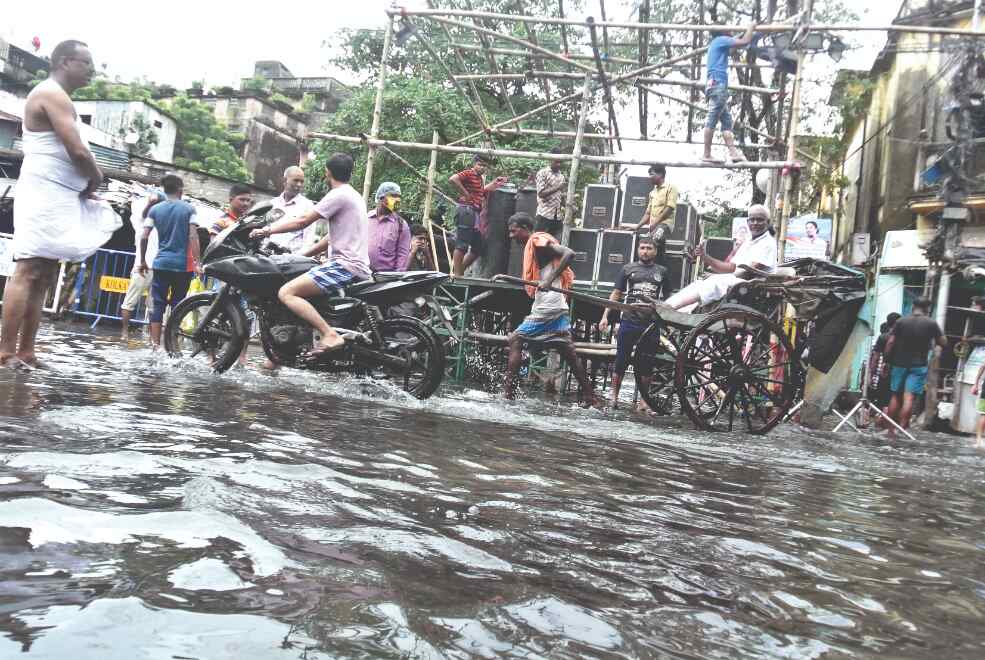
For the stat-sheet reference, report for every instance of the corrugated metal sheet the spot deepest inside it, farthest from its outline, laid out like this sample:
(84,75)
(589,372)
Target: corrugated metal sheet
(105,156)
(112,158)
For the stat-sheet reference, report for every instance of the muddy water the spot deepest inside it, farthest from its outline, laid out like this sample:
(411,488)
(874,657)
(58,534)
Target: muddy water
(151,510)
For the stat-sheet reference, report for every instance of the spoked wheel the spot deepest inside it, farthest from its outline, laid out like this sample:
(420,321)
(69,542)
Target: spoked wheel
(659,394)
(219,344)
(420,348)
(735,372)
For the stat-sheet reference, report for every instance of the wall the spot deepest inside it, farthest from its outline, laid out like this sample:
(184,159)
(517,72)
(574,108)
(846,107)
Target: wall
(115,116)
(8,131)
(268,152)
(197,184)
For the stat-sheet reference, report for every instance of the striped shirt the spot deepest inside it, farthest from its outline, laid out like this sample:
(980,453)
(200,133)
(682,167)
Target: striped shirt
(473,184)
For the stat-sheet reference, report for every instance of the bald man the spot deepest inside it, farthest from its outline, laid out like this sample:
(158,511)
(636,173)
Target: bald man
(759,252)
(291,204)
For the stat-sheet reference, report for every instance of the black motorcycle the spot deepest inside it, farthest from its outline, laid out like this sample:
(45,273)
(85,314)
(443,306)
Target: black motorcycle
(214,325)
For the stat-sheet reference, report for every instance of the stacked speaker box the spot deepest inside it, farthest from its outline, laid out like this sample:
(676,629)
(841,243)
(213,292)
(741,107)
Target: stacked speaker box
(616,249)
(719,248)
(680,269)
(599,206)
(501,205)
(585,244)
(635,196)
(526,202)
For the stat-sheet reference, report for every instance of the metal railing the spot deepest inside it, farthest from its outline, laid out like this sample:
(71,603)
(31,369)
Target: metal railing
(102,284)
(7,267)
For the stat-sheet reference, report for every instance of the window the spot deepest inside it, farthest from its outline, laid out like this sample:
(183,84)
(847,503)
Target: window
(158,123)
(86,119)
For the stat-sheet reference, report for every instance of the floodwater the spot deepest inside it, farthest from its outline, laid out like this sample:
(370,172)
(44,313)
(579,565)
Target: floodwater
(152,510)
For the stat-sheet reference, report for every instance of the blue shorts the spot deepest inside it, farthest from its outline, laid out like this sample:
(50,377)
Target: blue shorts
(467,234)
(718,111)
(168,288)
(910,379)
(331,276)
(628,339)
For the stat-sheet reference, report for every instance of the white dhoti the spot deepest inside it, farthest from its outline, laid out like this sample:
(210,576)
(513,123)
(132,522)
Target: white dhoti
(51,220)
(712,288)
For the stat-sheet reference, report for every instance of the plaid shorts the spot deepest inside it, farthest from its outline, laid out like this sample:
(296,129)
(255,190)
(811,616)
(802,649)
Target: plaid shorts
(330,276)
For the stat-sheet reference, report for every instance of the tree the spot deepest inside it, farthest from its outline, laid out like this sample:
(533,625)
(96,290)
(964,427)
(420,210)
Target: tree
(203,144)
(147,137)
(419,99)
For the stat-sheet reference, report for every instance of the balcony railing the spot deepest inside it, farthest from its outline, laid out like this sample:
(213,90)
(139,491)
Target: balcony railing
(937,160)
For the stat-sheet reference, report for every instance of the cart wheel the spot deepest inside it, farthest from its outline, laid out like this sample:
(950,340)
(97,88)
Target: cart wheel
(735,371)
(660,394)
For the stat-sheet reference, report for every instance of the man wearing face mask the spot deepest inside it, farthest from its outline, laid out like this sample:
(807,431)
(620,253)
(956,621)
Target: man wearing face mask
(389,234)
(759,253)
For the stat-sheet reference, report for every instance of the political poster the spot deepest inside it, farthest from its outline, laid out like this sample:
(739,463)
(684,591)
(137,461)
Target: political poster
(808,236)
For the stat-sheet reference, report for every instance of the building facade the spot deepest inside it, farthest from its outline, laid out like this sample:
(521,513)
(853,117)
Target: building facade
(122,117)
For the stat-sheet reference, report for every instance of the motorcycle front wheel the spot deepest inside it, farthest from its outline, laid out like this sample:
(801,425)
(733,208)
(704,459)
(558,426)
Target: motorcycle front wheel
(417,344)
(219,344)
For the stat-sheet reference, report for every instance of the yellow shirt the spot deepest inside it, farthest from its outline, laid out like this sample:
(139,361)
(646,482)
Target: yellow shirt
(661,198)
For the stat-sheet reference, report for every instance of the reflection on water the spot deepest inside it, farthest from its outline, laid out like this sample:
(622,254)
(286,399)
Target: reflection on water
(151,510)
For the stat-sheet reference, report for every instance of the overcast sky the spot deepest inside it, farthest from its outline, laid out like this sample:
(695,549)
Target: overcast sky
(219,41)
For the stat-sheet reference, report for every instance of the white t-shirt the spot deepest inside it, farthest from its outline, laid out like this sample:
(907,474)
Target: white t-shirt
(761,250)
(137,207)
(294,208)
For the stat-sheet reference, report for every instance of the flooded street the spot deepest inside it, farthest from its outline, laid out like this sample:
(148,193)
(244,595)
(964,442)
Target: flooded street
(151,510)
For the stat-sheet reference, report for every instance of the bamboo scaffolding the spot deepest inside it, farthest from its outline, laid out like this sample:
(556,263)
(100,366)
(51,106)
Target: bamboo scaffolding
(589,58)
(520,42)
(429,199)
(643,48)
(543,155)
(491,58)
(374,130)
(560,75)
(403,161)
(779,27)
(570,97)
(569,197)
(597,136)
(532,37)
(604,82)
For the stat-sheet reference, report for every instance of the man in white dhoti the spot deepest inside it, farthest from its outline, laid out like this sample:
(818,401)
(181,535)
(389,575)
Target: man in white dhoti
(759,252)
(58,174)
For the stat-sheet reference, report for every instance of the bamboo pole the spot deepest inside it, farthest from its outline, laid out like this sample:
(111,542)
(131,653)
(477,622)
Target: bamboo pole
(793,125)
(460,58)
(403,161)
(586,57)
(570,97)
(569,197)
(643,49)
(429,198)
(532,37)
(542,155)
(494,65)
(574,76)
(520,42)
(374,130)
(604,81)
(684,27)
(592,136)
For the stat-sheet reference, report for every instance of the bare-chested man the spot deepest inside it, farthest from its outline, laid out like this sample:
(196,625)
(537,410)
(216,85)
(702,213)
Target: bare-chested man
(58,169)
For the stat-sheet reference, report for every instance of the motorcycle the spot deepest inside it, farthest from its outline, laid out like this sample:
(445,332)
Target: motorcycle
(214,325)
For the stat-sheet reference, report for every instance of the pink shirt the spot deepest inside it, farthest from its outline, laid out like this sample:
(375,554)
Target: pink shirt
(345,211)
(389,242)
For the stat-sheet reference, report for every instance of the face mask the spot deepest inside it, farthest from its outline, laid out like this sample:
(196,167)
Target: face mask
(392,203)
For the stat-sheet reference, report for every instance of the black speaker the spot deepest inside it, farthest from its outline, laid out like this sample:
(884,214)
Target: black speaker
(680,270)
(720,248)
(682,221)
(599,207)
(526,202)
(516,259)
(616,250)
(585,244)
(501,205)
(635,196)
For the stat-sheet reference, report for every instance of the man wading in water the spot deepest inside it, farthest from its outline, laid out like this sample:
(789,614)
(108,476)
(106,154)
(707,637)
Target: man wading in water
(544,260)
(57,172)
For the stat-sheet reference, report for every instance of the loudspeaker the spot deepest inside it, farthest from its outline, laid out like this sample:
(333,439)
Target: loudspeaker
(516,259)
(526,202)
(634,199)
(680,271)
(599,206)
(585,244)
(500,206)
(720,248)
(682,222)
(616,250)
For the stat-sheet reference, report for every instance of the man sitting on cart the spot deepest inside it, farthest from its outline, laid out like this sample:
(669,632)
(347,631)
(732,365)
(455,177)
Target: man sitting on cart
(759,254)
(545,261)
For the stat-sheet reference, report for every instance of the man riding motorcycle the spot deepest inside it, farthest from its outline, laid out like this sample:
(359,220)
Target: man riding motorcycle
(348,262)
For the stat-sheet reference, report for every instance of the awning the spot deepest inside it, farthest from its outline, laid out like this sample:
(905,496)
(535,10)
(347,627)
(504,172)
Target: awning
(903,250)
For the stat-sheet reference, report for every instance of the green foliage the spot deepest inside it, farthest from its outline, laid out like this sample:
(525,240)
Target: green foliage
(309,103)
(203,144)
(147,137)
(412,109)
(282,102)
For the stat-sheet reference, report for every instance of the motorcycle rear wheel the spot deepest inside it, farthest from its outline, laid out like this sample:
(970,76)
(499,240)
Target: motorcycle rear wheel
(220,344)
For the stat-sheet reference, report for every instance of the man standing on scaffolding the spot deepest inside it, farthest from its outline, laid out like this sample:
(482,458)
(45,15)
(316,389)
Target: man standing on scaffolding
(717,94)
(472,189)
